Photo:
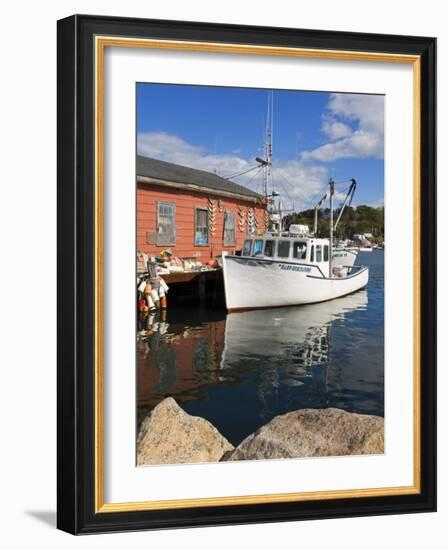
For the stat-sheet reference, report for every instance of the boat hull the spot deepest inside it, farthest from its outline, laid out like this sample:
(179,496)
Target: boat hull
(252,283)
(344,257)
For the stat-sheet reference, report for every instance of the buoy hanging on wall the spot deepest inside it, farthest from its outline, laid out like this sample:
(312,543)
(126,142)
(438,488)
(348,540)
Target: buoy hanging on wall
(251,220)
(256,220)
(241,219)
(211,216)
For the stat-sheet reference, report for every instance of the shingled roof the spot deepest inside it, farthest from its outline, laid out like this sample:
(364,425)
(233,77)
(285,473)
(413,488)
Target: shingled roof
(169,172)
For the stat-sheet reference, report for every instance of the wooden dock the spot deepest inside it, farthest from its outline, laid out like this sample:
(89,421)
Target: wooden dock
(194,285)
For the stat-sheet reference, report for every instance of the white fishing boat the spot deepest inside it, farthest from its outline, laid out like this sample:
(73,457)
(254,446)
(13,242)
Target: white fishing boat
(291,268)
(284,271)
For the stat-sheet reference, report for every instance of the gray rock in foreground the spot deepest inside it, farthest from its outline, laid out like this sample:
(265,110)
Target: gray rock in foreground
(311,433)
(168,435)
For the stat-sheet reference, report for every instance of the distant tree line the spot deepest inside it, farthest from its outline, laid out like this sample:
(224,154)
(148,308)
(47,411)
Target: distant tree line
(355,220)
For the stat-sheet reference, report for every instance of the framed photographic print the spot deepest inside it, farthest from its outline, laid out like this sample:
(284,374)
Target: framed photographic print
(246,267)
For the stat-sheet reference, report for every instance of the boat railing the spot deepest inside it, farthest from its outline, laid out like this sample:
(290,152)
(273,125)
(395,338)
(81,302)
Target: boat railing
(288,234)
(351,269)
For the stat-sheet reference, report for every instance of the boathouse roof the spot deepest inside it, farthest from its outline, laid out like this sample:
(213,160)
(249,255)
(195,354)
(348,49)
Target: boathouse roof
(150,170)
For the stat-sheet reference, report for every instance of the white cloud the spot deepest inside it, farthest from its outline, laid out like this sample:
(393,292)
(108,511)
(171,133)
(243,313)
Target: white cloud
(367,140)
(335,129)
(299,183)
(171,148)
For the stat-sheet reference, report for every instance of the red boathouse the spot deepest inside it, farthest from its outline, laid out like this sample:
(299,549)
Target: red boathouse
(196,214)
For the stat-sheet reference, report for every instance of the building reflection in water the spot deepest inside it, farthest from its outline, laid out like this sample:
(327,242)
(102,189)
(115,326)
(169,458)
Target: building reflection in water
(178,356)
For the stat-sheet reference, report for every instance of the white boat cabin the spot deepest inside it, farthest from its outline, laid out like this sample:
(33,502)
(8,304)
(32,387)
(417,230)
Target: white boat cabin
(296,250)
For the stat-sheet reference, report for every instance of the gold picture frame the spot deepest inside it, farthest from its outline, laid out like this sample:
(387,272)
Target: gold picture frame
(95,35)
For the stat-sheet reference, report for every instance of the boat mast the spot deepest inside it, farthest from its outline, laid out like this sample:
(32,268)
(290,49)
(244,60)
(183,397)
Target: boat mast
(268,144)
(280,225)
(266,161)
(316,212)
(330,255)
(348,200)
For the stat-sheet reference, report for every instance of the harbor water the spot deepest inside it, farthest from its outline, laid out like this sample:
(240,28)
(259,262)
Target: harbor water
(240,370)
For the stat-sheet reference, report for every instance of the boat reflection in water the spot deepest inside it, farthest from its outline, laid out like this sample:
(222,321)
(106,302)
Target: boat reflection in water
(279,332)
(240,370)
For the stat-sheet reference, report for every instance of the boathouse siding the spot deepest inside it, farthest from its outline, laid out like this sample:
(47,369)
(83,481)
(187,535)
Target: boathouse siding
(188,211)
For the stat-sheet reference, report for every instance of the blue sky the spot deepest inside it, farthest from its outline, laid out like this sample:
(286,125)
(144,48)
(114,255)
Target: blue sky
(315,135)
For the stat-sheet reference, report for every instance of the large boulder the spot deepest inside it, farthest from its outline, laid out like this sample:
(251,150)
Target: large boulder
(168,435)
(313,432)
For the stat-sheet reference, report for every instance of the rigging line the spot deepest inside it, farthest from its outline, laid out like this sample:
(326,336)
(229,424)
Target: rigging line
(276,183)
(288,196)
(280,184)
(304,197)
(285,189)
(342,181)
(243,172)
(309,203)
(317,196)
(288,202)
(257,173)
(344,190)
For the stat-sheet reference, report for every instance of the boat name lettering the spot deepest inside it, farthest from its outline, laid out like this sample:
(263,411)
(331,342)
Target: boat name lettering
(289,267)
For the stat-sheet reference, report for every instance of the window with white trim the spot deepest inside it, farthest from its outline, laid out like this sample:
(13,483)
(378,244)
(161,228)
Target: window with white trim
(229,229)
(201,227)
(166,223)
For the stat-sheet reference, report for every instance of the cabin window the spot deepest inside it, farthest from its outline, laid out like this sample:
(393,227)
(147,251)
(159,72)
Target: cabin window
(318,253)
(326,253)
(229,229)
(201,227)
(312,254)
(247,247)
(269,249)
(283,249)
(299,250)
(166,223)
(258,247)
